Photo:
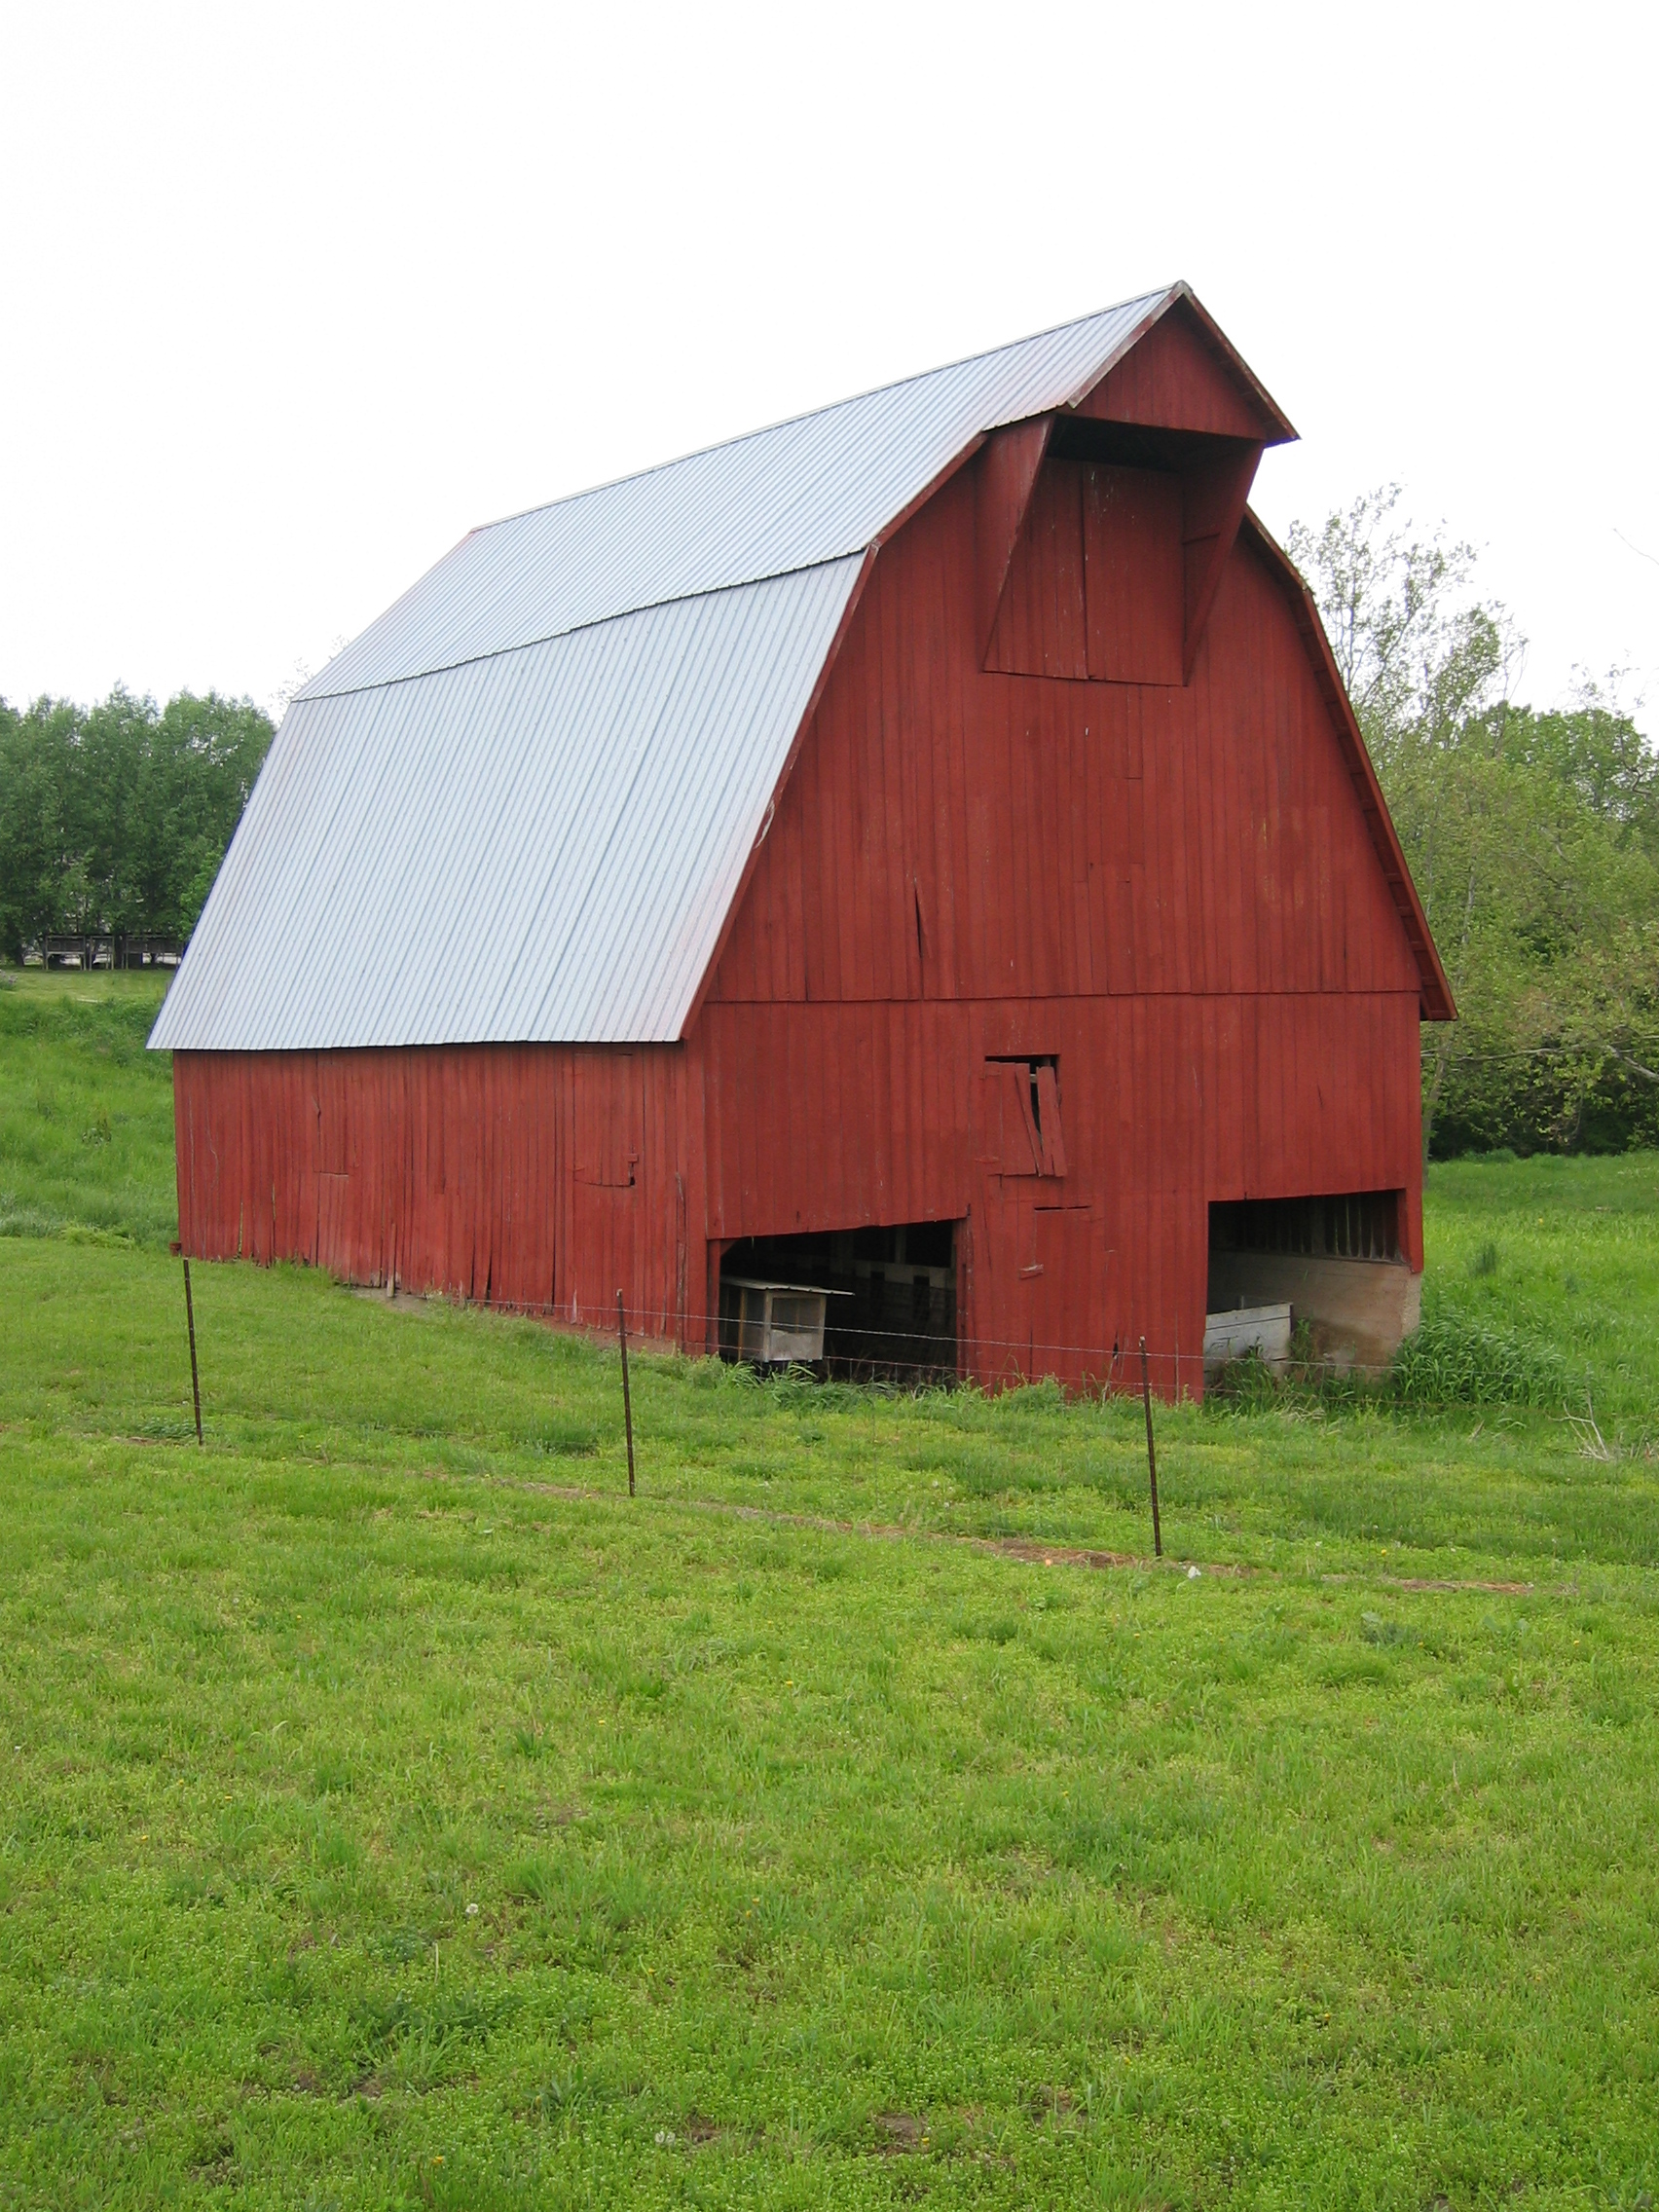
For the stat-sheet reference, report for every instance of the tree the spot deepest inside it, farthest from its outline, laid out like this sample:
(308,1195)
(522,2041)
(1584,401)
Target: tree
(114,821)
(1533,839)
(204,756)
(35,751)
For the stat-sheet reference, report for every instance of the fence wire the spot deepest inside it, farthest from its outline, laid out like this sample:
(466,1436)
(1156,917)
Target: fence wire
(691,1334)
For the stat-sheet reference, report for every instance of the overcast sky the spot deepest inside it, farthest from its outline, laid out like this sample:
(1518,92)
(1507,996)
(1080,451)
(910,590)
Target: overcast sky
(293,296)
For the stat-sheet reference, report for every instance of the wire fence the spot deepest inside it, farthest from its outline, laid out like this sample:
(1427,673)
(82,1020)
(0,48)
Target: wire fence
(591,1322)
(698,1334)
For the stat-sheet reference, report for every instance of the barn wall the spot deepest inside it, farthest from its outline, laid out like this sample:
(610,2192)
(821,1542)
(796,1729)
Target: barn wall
(949,832)
(1169,887)
(497,1173)
(836,1116)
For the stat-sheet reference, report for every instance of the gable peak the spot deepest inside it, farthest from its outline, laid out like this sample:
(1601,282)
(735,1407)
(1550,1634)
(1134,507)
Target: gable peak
(1179,371)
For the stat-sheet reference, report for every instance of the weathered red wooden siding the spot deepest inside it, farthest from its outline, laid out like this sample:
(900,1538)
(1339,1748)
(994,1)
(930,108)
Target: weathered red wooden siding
(1175,379)
(484,1171)
(1170,888)
(834,1116)
(1058,838)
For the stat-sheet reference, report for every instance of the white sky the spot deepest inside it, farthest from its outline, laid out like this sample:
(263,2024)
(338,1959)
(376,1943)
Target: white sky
(294,295)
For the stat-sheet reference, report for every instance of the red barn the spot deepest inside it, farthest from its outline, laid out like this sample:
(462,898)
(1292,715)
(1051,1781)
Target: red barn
(922,850)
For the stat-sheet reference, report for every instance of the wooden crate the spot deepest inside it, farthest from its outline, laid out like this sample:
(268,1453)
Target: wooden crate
(773,1324)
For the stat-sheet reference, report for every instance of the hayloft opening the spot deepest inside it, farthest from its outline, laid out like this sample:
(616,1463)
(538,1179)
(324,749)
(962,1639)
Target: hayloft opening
(1126,444)
(1095,588)
(1022,1114)
(889,1311)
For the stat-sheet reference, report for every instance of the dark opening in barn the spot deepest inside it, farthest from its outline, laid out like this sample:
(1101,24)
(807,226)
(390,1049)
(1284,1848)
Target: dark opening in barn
(890,1304)
(1333,1259)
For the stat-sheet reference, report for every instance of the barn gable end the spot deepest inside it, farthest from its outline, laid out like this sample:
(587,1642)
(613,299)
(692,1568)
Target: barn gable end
(950,831)
(1103,530)
(1181,373)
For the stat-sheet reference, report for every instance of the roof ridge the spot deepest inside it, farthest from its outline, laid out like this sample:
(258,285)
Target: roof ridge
(1159,292)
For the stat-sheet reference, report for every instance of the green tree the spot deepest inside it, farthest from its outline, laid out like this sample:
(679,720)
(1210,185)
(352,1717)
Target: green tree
(115,820)
(1533,839)
(202,758)
(35,764)
(108,766)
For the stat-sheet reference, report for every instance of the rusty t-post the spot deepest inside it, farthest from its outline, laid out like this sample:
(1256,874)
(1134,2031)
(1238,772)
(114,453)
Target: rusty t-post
(190,1323)
(627,1406)
(1151,1454)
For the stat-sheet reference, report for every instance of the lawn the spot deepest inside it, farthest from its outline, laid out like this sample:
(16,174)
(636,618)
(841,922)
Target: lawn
(393,1812)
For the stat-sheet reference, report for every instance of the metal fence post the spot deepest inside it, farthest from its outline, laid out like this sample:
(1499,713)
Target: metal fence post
(189,1322)
(1151,1454)
(627,1403)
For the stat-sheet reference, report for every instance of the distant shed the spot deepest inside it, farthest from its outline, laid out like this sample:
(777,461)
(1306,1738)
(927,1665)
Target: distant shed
(922,850)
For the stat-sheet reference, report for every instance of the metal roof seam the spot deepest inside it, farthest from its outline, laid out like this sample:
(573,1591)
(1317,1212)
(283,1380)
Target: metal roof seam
(597,622)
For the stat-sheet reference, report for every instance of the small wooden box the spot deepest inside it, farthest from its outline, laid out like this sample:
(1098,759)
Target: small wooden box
(772,1324)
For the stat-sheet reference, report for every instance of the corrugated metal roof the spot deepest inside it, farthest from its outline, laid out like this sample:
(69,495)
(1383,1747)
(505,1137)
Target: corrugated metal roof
(518,807)
(803,492)
(537,846)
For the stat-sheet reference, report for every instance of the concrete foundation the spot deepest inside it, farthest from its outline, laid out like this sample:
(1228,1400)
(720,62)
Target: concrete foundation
(1358,1310)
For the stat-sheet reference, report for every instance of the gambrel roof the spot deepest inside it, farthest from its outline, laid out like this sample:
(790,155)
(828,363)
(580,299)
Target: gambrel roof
(518,808)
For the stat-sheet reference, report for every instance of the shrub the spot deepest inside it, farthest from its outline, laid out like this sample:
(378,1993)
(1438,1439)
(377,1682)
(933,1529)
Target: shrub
(1454,1361)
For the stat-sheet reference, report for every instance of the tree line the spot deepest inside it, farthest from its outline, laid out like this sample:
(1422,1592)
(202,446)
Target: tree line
(113,818)
(1532,837)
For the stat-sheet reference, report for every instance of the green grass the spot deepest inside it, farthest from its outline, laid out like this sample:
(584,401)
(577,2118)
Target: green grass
(827,1847)
(86,1114)
(1563,1255)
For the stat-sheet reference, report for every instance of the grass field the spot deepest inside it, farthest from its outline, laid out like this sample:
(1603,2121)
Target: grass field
(390,1812)
(86,1114)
